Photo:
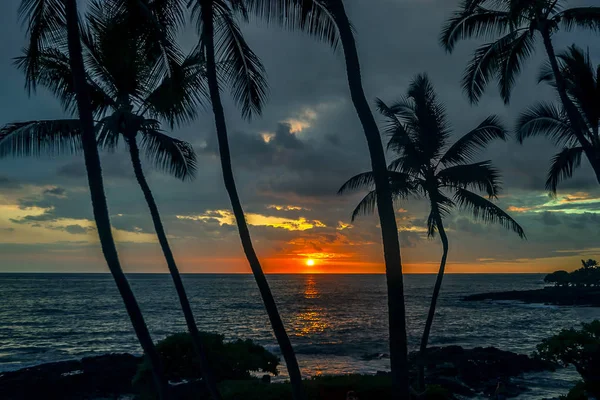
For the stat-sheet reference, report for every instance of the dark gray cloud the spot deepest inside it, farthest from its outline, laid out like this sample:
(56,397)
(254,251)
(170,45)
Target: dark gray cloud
(550,218)
(55,191)
(8,183)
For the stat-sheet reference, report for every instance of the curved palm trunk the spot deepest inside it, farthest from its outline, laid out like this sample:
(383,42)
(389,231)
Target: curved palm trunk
(263,286)
(385,207)
(200,349)
(572,112)
(100,208)
(432,306)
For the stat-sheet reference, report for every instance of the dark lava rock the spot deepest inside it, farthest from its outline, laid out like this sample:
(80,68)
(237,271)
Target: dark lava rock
(105,375)
(470,371)
(563,296)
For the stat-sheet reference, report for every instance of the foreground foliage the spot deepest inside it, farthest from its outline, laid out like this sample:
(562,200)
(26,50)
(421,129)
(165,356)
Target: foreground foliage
(228,360)
(364,387)
(581,349)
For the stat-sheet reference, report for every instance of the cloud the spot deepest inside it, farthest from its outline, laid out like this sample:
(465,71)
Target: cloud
(550,219)
(55,191)
(8,183)
(77,229)
(225,217)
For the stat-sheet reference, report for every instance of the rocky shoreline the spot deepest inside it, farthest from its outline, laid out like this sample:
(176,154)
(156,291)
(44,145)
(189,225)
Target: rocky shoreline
(464,372)
(563,296)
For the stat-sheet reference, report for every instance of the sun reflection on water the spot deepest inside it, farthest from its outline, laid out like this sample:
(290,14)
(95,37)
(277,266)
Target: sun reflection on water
(313,319)
(310,288)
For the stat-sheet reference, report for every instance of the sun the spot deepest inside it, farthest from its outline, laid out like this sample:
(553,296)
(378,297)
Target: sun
(310,262)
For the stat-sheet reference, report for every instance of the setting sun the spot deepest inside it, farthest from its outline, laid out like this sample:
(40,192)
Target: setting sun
(310,262)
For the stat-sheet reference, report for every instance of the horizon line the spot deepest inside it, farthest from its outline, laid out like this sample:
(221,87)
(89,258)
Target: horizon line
(271,273)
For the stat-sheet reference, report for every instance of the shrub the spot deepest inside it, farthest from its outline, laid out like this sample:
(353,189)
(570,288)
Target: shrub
(580,348)
(227,360)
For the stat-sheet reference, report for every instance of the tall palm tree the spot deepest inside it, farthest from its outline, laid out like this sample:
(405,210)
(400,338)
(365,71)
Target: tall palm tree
(46,21)
(582,81)
(327,20)
(428,166)
(517,22)
(124,92)
(229,57)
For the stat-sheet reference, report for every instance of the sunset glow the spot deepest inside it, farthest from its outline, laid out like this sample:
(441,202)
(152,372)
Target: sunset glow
(310,262)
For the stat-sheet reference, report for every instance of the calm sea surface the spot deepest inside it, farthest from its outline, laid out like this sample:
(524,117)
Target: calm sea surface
(333,320)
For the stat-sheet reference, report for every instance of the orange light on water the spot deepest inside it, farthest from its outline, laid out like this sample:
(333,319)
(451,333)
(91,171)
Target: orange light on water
(310,262)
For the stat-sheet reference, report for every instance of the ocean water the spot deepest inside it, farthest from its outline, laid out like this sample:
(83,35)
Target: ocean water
(334,321)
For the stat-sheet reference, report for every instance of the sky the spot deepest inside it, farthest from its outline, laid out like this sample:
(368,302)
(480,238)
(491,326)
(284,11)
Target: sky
(290,162)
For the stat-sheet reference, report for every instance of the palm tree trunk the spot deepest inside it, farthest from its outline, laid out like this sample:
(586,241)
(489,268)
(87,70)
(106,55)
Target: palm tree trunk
(432,306)
(385,207)
(572,113)
(199,347)
(263,286)
(100,208)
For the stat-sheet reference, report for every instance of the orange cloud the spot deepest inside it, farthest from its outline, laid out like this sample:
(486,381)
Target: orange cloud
(341,226)
(519,209)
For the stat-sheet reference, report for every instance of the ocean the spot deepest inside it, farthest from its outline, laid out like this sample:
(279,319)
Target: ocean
(334,321)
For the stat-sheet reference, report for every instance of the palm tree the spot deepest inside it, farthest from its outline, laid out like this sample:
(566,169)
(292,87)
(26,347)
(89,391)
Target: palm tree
(517,22)
(583,88)
(444,174)
(327,20)
(119,78)
(46,21)
(229,57)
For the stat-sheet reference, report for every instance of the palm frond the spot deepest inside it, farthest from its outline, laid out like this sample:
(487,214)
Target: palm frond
(545,119)
(243,69)
(46,26)
(358,182)
(155,23)
(401,122)
(429,121)
(108,54)
(512,62)
(482,176)
(45,137)
(168,154)
(562,167)
(54,73)
(465,148)
(310,16)
(109,131)
(366,205)
(401,186)
(546,74)
(582,82)
(580,17)
(392,123)
(485,65)
(472,22)
(177,97)
(486,211)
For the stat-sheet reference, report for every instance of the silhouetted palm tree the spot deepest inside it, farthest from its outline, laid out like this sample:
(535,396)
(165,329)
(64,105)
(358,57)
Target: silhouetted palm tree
(327,20)
(582,81)
(229,57)
(427,166)
(517,22)
(124,90)
(46,21)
